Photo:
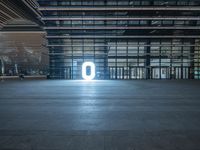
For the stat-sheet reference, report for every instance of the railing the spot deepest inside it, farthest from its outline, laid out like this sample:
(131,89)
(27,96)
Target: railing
(107,8)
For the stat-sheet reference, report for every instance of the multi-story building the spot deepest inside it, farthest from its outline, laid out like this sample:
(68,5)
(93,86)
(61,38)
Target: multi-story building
(126,39)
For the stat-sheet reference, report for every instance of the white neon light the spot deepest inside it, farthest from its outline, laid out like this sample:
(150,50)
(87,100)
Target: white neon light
(92,72)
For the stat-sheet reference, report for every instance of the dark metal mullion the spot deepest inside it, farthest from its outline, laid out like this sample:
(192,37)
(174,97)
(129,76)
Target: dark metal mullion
(137,56)
(160,60)
(192,69)
(148,60)
(171,69)
(72,57)
(116,59)
(182,60)
(127,67)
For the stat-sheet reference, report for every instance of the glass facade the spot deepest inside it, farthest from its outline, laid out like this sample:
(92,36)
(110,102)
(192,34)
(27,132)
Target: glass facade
(23,53)
(126,39)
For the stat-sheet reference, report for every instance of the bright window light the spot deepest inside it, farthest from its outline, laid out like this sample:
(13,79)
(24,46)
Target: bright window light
(85,68)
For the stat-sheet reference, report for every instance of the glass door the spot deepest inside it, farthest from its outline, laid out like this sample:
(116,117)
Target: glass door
(116,72)
(160,73)
(137,73)
(181,72)
(67,73)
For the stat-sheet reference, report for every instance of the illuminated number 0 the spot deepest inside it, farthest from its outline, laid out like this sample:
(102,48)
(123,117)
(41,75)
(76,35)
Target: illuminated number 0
(92,70)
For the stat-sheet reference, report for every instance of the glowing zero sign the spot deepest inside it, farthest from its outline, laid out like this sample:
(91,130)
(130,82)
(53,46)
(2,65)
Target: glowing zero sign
(85,68)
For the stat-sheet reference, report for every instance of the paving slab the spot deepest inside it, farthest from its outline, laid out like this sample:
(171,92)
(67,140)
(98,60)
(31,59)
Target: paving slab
(99,115)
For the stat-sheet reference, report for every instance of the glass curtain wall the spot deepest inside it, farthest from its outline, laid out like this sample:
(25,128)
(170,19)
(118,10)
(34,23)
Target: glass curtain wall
(126,39)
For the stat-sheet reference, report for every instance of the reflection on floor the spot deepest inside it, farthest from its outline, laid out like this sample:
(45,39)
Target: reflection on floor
(100,115)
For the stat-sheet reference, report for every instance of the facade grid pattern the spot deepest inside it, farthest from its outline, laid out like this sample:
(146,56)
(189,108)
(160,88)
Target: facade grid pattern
(126,39)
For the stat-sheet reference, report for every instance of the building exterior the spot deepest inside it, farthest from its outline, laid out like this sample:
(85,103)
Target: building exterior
(126,39)
(22,39)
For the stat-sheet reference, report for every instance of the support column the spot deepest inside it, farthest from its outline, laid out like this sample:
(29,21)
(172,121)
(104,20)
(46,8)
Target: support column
(192,50)
(147,65)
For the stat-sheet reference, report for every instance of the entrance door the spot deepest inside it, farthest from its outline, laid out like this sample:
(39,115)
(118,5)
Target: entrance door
(186,71)
(116,72)
(137,73)
(2,69)
(67,73)
(160,73)
(181,72)
(112,71)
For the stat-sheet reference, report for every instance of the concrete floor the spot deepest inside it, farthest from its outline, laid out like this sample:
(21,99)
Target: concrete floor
(100,115)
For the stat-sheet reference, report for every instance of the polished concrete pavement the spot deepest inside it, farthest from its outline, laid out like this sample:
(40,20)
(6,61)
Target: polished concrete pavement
(100,115)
